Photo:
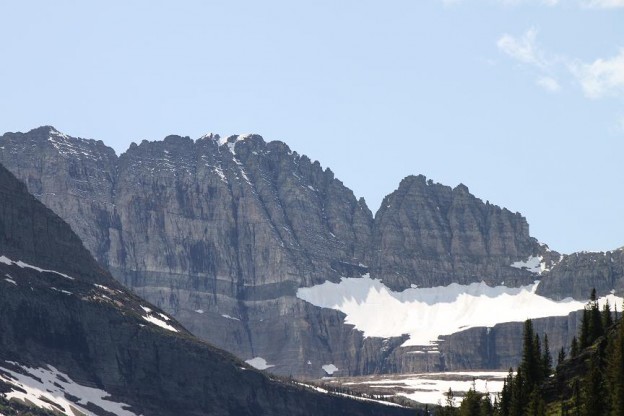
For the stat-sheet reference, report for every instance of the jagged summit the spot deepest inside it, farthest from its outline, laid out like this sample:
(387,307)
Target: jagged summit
(223,232)
(75,342)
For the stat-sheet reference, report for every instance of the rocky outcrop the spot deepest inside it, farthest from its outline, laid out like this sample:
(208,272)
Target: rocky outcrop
(221,232)
(427,234)
(218,232)
(578,273)
(59,308)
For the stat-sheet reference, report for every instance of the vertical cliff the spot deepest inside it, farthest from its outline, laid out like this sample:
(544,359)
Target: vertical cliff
(222,232)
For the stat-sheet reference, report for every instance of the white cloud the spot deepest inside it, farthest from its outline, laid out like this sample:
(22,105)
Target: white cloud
(549,84)
(603,4)
(523,49)
(601,78)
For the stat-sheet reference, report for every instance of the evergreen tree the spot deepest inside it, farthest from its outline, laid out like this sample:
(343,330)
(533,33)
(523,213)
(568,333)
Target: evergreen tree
(486,407)
(561,357)
(536,405)
(594,402)
(607,318)
(615,372)
(584,333)
(546,359)
(471,404)
(531,357)
(518,394)
(596,330)
(504,405)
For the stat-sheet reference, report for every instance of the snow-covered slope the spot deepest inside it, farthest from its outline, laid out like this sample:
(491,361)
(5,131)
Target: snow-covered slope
(51,389)
(427,313)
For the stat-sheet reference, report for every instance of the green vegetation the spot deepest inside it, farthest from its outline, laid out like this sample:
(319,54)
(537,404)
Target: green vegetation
(590,382)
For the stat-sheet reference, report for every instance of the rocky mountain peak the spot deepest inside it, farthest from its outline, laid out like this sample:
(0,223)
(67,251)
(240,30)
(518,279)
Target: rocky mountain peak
(222,232)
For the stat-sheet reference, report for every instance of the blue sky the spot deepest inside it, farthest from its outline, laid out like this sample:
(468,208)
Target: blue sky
(522,101)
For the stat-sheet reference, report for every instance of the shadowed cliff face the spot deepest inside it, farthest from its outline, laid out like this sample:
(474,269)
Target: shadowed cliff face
(221,233)
(59,308)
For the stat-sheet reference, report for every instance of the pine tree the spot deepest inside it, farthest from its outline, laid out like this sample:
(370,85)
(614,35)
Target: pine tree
(596,330)
(607,319)
(584,333)
(486,408)
(504,405)
(471,404)
(518,394)
(561,357)
(615,372)
(546,358)
(531,357)
(594,402)
(536,405)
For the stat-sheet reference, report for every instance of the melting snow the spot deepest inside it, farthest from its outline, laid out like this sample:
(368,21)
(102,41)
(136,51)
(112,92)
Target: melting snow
(330,369)
(427,313)
(432,387)
(9,279)
(45,386)
(157,321)
(19,263)
(259,363)
(534,264)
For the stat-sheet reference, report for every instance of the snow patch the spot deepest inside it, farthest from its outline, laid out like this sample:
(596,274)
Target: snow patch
(427,313)
(157,321)
(19,263)
(534,264)
(44,386)
(431,388)
(230,317)
(259,363)
(200,311)
(330,369)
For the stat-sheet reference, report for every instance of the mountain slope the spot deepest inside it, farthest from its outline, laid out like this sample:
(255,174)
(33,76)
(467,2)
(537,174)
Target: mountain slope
(223,233)
(66,324)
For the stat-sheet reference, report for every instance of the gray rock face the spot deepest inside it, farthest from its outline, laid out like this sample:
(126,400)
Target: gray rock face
(221,233)
(429,235)
(60,308)
(577,274)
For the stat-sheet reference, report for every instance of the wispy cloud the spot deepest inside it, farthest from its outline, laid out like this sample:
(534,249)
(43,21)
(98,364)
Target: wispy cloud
(548,83)
(523,49)
(603,4)
(601,78)
(598,79)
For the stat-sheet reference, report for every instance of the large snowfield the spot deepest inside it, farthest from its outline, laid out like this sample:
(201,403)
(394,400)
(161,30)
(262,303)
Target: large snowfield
(427,313)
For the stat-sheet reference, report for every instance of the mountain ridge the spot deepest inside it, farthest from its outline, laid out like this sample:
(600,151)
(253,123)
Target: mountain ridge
(211,232)
(81,344)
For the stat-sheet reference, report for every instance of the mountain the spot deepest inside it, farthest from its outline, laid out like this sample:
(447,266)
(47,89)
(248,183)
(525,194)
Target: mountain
(228,234)
(75,342)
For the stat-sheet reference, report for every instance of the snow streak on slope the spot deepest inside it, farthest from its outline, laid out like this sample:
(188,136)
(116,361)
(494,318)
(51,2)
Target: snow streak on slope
(50,389)
(19,263)
(426,313)
(151,318)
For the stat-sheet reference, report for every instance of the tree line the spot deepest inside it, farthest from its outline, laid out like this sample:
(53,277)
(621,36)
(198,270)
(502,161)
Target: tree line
(596,389)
